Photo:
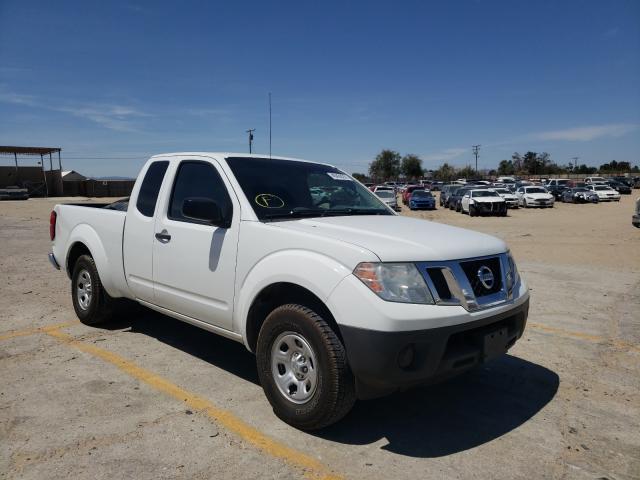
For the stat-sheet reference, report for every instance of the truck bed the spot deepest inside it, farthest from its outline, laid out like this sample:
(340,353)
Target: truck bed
(100,225)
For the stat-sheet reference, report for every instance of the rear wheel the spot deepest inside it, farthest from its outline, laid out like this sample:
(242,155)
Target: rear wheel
(91,302)
(303,368)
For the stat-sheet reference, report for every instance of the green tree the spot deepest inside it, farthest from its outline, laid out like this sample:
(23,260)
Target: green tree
(361,177)
(385,166)
(411,166)
(445,172)
(467,172)
(505,167)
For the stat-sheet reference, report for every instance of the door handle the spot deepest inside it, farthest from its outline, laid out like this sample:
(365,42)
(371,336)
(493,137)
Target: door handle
(163,236)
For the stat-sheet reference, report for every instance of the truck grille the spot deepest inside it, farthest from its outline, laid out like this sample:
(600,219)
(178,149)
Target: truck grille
(474,283)
(490,283)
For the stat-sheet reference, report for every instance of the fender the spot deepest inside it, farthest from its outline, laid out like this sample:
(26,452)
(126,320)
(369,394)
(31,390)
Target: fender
(108,268)
(321,274)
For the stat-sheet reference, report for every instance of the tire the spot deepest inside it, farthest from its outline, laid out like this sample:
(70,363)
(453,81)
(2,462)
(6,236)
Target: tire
(332,391)
(92,303)
(472,211)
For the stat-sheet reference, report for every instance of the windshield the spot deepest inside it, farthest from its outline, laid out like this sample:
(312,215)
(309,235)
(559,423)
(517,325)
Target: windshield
(483,193)
(536,190)
(385,194)
(280,189)
(421,194)
(602,187)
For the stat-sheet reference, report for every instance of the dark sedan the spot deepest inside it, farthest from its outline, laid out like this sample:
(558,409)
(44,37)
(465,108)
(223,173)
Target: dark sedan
(421,199)
(620,187)
(579,195)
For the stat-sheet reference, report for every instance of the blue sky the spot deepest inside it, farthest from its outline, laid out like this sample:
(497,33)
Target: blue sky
(114,82)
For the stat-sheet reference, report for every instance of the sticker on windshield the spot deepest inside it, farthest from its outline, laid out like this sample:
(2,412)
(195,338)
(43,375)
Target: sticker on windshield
(266,200)
(339,176)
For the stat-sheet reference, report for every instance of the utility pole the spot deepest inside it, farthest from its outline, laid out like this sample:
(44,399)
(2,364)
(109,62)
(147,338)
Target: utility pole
(575,162)
(269,124)
(476,151)
(250,132)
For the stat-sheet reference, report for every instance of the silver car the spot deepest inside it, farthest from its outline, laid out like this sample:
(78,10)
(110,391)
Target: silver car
(389,197)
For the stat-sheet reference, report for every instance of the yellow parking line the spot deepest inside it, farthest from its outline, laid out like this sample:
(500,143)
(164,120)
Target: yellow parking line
(312,468)
(32,331)
(583,336)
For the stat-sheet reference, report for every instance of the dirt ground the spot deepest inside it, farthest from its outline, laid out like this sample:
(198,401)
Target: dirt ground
(151,397)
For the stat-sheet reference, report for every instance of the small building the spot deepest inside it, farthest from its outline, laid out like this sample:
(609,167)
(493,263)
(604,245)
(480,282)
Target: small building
(73,176)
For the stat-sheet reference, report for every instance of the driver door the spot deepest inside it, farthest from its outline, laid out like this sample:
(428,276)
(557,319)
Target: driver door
(194,262)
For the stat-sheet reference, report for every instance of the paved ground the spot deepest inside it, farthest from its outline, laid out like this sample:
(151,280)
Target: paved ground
(151,397)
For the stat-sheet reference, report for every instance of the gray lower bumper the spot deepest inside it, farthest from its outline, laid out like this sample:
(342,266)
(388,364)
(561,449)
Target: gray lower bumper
(53,261)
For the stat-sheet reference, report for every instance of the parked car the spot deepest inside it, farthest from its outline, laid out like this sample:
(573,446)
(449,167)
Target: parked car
(436,186)
(389,197)
(506,179)
(605,192)
(579,195)
(635,218)
(590,180)
(628,181)
(556,186)
(446,192)
(510,198)
(483,202)
(407,192)
(422,199)
(456,197)
(338,302)
(619,187)
(533,196)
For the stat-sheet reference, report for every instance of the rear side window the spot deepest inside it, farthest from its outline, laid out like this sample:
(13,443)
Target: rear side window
(198,179)
(148,194)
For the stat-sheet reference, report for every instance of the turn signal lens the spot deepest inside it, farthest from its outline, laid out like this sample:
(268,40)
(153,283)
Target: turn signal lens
(394,282)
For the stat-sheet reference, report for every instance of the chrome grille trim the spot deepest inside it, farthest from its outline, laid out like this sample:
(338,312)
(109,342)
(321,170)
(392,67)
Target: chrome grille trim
(460,288)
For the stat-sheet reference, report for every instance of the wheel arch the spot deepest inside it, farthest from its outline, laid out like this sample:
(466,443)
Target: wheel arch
(282,293)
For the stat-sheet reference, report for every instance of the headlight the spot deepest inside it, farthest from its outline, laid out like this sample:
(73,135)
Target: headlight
(513,277)
(394,282)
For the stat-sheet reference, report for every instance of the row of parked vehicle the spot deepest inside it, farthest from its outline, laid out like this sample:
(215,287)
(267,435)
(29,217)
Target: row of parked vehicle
(484,197)
(416,197)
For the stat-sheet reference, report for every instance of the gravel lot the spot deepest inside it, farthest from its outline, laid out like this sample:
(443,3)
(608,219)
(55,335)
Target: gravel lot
(150,397)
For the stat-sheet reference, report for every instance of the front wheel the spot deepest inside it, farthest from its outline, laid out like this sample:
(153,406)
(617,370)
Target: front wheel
(92,303)
(303,368)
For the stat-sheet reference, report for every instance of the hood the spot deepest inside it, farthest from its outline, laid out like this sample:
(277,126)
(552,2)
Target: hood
(538,195)
(394,238)
(497,198)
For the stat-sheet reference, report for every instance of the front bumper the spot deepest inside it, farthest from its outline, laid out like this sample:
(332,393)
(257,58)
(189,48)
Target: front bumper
(489,208)
(421,205)
(384,362)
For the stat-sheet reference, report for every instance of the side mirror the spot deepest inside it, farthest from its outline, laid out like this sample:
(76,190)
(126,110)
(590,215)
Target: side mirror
(204,210)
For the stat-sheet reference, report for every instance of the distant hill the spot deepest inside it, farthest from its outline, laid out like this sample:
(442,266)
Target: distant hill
(113,178)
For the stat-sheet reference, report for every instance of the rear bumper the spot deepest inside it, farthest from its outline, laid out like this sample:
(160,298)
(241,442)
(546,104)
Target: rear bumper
(387,361)
(53,261)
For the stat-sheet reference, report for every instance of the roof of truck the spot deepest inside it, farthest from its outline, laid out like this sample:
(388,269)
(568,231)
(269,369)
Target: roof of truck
(236,154)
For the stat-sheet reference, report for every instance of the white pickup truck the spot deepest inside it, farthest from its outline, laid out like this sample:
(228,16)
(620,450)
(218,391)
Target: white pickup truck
(337,295)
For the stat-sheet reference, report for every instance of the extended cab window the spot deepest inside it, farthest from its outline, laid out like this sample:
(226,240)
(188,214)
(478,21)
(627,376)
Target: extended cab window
(201,180)
(148,194)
